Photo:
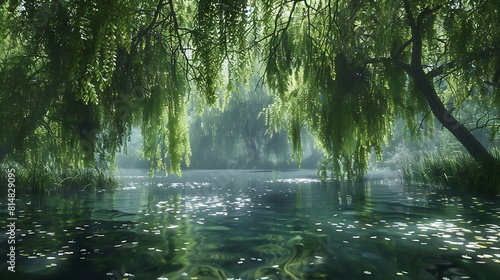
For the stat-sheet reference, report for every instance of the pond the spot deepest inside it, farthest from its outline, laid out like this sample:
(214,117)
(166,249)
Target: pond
(256,225)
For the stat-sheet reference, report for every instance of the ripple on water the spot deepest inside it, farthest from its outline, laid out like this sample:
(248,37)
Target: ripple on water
(258,229)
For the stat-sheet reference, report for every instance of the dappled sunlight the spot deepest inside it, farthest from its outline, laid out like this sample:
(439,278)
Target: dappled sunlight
(260,227)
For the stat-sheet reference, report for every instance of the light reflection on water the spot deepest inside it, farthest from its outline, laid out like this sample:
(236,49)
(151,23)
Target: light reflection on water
(258,225)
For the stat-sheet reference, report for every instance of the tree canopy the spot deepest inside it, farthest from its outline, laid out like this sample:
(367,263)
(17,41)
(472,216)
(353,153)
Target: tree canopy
(76,76)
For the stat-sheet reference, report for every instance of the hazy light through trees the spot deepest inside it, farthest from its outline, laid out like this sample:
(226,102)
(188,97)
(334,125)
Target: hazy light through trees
(77,77)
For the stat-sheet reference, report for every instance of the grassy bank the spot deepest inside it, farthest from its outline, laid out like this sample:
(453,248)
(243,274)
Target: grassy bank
(38,179)
(457,170)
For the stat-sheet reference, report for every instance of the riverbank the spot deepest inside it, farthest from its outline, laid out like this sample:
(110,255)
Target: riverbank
(39,179)
(457,170)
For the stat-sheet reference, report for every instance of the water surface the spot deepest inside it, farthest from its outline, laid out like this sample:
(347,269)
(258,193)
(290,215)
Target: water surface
(256,225)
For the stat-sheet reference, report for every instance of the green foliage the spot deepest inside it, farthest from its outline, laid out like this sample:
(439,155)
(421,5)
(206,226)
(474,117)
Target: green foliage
(77,76)
(41,179)
(98,68)
(457,170)
(345,76)
(333,93)
(235,134)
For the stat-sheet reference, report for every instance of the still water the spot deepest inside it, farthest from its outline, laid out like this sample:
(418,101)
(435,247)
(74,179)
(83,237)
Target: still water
(256,225)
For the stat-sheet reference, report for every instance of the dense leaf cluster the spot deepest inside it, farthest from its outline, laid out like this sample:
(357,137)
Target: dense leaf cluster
(76,76)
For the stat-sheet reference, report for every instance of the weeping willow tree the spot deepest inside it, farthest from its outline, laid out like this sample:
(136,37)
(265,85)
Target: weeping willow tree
(348,69)
(234,135)
(76,76)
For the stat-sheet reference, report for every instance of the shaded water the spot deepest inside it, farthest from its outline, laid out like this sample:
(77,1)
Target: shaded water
(256,225)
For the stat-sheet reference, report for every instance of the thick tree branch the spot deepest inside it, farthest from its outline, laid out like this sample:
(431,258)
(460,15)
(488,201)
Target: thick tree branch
(426,86)
(400,50)
(469,58)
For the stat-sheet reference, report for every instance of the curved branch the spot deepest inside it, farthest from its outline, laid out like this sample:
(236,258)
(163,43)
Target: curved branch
(137,38)
(471,57)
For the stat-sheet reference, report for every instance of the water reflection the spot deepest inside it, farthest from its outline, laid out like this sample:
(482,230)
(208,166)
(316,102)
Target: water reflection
(258,225)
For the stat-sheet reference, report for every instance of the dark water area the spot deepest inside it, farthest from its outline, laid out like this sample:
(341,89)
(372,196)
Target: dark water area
(255,225)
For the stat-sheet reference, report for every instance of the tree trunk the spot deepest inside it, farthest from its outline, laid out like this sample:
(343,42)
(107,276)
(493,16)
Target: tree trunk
(252,151)
(425,84)
(461,133)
